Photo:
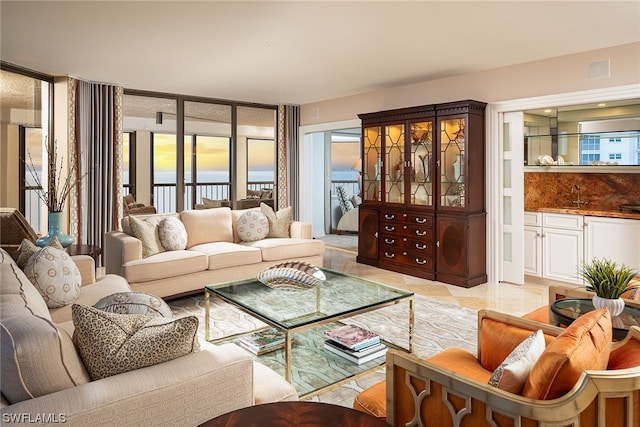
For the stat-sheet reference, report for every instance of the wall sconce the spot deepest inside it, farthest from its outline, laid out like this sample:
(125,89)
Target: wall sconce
(159,118)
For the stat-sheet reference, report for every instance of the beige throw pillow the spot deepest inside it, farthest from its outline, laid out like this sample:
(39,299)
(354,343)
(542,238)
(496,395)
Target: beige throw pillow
(172,234)
(279,222)
(514,371)
(252,226)
(147,233)
(55,275)
(110,343)
(28,248)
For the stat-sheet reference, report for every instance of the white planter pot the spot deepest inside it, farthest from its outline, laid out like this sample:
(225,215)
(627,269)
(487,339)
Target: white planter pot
(615,306)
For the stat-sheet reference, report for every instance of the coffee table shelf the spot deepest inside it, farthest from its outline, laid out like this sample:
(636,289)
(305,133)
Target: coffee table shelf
(307,314)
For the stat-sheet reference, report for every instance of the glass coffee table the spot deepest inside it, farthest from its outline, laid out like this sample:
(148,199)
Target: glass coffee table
(307,314)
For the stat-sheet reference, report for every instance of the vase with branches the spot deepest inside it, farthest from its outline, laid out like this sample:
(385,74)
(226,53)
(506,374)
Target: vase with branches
(54,195)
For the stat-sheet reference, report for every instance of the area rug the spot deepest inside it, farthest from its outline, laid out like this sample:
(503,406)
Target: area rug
(438,325)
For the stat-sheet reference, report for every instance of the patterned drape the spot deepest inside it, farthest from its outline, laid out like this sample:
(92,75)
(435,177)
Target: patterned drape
(288,153)
(95,141)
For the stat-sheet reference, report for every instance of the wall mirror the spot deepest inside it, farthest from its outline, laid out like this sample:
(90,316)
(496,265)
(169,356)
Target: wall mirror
(606,134)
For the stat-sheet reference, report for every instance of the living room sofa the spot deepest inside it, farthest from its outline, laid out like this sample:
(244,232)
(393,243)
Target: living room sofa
(214,253)
(44,380)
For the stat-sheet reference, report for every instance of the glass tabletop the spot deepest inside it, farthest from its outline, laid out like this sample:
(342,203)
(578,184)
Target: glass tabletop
(339,296)
(572,308)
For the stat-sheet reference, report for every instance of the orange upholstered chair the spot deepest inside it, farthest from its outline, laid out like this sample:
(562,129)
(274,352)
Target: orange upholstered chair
(581,378)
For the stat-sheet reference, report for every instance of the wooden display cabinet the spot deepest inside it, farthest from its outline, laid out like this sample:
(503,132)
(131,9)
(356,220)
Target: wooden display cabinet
(423,174)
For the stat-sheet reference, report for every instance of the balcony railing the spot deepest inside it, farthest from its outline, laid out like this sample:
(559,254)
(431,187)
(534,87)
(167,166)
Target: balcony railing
(164,195)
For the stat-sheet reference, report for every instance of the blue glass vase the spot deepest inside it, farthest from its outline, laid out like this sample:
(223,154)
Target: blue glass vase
(55,229)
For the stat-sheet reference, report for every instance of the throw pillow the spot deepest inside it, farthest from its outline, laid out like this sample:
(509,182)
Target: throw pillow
(279,222)
(172,234)
(110,343)
(584,345)
(252,226)
(513,372)
(135,303)
(345,203)
(147,233)
(55,275)
(28,248)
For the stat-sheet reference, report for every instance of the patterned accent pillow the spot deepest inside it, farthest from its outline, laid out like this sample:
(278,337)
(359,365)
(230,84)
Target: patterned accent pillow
(513,372)
(345,203)
(172,234)
(135,303)
(28,248)
(279,222)
(252,226)
(147,233)
(111,343)
(55,275)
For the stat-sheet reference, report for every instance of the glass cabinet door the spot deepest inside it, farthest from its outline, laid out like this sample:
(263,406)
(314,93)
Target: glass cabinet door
(394,163)
(452,161)
(372,165)
(421,188)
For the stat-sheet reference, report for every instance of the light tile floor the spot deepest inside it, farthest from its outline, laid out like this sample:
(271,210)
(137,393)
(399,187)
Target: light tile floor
(507,298)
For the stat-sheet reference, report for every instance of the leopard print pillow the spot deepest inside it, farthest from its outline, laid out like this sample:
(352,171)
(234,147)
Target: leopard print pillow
(111,343)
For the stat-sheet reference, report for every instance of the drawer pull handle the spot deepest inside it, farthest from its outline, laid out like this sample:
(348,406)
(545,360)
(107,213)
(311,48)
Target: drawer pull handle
(389,216)
(389,228)
(388,255)
(419,246)
(421,233)
(421,261)
(389,241)
(421,220)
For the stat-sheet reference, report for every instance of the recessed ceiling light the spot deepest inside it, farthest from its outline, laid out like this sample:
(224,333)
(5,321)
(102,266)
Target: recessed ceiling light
(547,110)
(602,104)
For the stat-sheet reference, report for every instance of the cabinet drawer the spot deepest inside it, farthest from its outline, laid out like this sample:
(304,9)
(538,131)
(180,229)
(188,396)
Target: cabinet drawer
(566,221)
(533,218)
(406,218)
(407,258)
(394,242)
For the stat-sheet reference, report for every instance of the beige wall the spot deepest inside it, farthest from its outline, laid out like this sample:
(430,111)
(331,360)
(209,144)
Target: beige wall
(564,74)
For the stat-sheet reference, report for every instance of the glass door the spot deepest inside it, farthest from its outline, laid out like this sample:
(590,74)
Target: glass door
(394,174)
(452,162)
(421,156)
(512,194)
(372,165)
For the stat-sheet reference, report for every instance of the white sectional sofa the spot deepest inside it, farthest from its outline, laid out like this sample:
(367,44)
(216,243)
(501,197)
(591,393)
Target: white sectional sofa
(44,381)
(214,253)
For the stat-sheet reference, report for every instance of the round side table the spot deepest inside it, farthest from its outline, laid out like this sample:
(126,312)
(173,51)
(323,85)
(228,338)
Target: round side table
(82,249)
(295,414)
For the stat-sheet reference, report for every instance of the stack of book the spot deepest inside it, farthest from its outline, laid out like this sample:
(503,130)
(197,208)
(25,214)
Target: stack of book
(356,344)
(263,341)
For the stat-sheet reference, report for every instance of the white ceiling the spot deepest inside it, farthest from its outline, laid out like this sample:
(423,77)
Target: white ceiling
(298,52)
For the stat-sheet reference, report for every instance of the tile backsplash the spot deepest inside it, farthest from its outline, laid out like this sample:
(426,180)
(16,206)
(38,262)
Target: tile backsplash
(603,191)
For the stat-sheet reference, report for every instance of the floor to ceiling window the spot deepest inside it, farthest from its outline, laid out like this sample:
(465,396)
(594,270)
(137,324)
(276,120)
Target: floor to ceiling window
(25,125)
(212,162)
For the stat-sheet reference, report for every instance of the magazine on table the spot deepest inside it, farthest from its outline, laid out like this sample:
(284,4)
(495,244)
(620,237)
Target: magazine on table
(261,342)
(353,337)
(358,357)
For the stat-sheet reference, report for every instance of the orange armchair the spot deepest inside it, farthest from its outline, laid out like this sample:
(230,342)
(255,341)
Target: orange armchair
(594,382)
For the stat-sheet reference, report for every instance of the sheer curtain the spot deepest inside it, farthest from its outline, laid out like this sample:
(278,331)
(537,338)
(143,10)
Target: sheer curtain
(288,151)
(95,118)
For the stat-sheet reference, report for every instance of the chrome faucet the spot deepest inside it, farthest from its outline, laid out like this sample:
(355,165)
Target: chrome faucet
(577,202)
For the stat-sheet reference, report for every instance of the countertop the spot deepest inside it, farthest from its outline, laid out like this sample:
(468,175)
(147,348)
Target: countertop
(590,212)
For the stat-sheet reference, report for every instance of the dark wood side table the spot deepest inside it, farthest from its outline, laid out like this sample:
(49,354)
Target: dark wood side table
(565,311)
(295,414)
(82,249)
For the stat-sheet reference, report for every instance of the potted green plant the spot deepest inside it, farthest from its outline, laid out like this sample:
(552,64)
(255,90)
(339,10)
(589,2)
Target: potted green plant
(609,281)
